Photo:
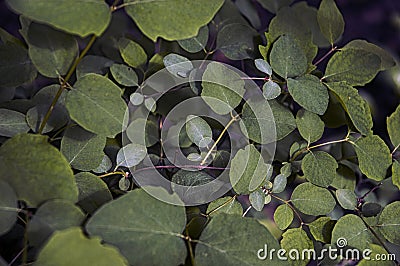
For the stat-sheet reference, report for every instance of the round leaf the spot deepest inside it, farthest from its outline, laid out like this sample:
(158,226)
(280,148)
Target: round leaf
(296,238)
(178,65)
(319,168)
(95,103)
(263,66)
(132,53)
(257,199)
(321,229)
(131,155)
(197,129)
(142,131)
(271,90)
(12,123)
(393,126)
(283,216)
(389,222)
(124,75)
(310,126)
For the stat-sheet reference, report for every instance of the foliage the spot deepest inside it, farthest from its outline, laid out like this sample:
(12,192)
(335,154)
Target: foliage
(89,122)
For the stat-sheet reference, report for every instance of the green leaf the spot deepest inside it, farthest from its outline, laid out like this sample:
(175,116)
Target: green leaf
(296,238)
(371,209)
(71,247)
(280,182)
(312,200)
(310,126)
(271,90)
(150,104)
(319,168)
(190,178)
(235,41)
(351,228)
(321,229)
(16,66)
(356,107)
(263,66)
(93,64)
(131,155)
(95,103)
(373,157)
(389,222)
(142,131)
(93,192)
(396,173)
(124,75)
(93,16)
(132,53)
(346,198)
(330,20)
(215,248)
(310,93)
(12,123)
(58,118)
(224,205)
(377,251)
(387,60)
(177,65)
(196,43)
(142,226)
(51,51)
(284,119)
(393,127)
(8,207)
(173,19)
(344,179)
(136,98)
(198,131)
(257,199)
(104,166)
(287,58)
(82,149)
(355,66)
(223,88)
(273,6)
(36,170)
(257,121)
(248,170)
(51,216)
(283,216)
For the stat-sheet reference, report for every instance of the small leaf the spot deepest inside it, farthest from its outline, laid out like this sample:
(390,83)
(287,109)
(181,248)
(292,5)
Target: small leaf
(198,130)
(373,157)
(389,222)
(136,98)
(396,173)
(271,90)
(287,58)
(143,132)
(131,155)
(284,120)
(263,66)
(241,46)
(150,104)
(321,229)
(310,93)
(312,200)
(319,168)
(330,20)
(124,184)
(132,53)
(371,209)
(93,16)
(220,205)
(8,207)
(124,75)
(62,244)
(280,182)
(104,166)
(93,64)
(248,170)
(296,238)
(356,107)
(310,125)
(283,216)
(346,198)
(173,19)
(52,51)
(82,149)
(223,88)
(149,227)
(214,248)
(93,192)
(197,43)
(45,174)
(355,66)
(12,123)
(393,127)
(353,230)
(178,65)
(95,103)
(257,199)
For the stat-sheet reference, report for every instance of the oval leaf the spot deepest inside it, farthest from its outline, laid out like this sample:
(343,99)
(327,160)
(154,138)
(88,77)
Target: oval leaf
(346,198)
(131,155)
(389,222)
(330,20)
(283,216)
(319,168)
(132,53)
(12,123)
(310,125)
(198,130)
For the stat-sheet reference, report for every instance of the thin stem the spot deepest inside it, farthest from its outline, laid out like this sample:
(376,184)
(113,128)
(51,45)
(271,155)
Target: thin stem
(326,55)
(328,143)
(394,150)
(64,83)
(113,173)
(370,191)
(25,250)
(246,211)
(189,243)
(180,166)
(234,118)
(290,206)
(16,256)
(223,205)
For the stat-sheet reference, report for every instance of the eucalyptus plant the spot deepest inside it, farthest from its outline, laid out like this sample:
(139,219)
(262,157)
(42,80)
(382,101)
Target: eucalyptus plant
(161,132)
